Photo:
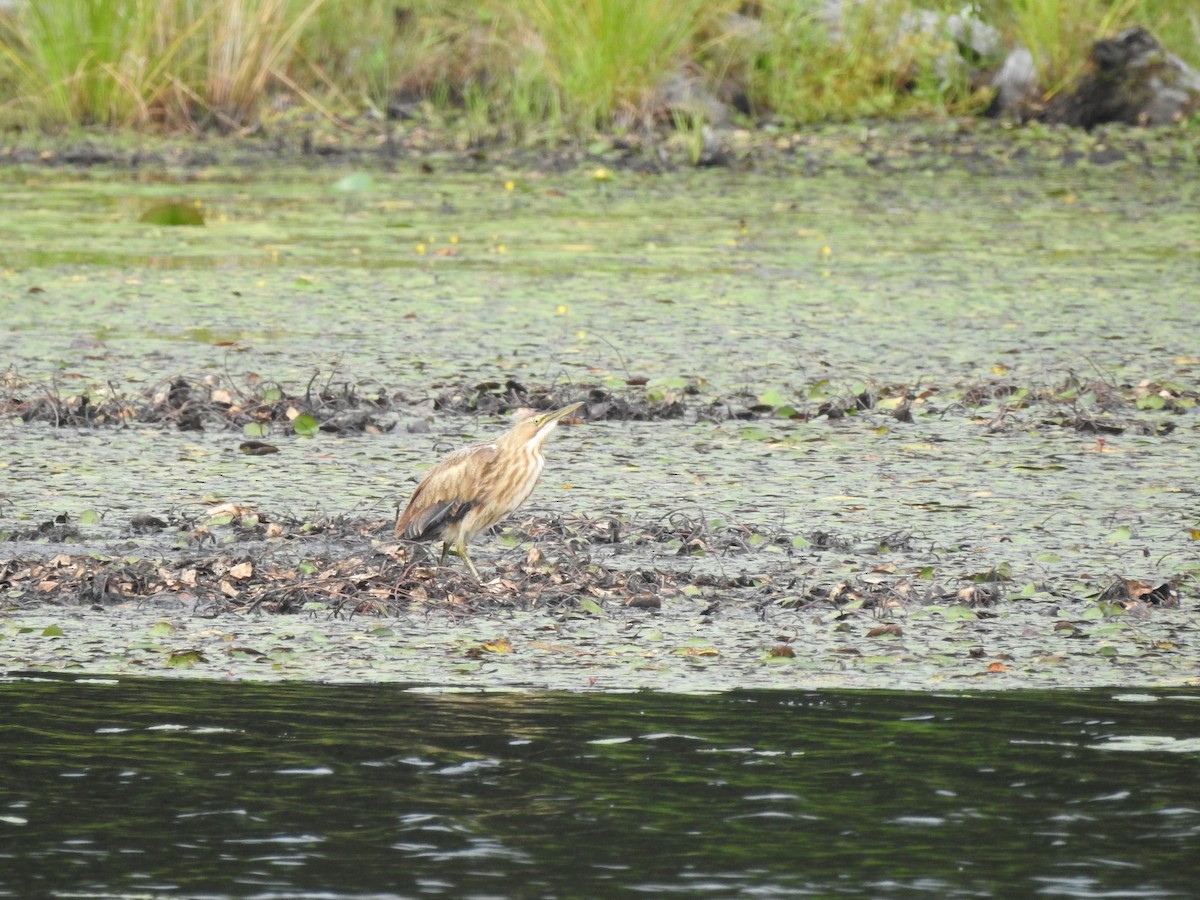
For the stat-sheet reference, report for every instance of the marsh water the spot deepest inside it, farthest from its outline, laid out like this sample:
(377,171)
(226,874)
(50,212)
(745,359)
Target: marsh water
(183,789)
(1036,313)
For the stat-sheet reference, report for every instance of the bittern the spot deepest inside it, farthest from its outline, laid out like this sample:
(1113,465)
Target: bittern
(476,486)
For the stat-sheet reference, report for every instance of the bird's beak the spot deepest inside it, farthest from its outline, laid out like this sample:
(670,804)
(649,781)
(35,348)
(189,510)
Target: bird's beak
(553,417)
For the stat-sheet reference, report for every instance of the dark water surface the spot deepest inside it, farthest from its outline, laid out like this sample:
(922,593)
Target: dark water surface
(169,788)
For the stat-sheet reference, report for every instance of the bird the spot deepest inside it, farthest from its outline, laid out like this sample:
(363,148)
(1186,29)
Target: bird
(476,486)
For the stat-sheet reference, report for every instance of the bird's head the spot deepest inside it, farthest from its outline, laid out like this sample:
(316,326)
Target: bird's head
(533,427)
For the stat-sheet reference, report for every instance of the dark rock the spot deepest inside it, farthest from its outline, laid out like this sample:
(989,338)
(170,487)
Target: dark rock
(1132,80)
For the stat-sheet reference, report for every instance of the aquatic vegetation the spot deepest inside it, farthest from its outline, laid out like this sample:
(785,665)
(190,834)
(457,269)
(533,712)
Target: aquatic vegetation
(827,409)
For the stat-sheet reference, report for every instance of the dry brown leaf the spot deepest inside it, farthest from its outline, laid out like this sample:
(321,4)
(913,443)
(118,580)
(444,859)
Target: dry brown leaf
(236,510)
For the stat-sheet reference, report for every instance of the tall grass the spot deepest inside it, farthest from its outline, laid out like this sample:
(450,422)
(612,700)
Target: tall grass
(1177,25)
(807,64)
(93,61)
(128,62)
(603,61)
(247,41)
(348,49)
(531,69)
(1060,34)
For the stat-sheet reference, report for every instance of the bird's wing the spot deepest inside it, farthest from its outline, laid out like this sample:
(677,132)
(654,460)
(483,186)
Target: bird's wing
(449,491)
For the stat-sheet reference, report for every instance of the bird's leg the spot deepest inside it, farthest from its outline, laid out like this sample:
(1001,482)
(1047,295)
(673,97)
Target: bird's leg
(461,550)
(445,553)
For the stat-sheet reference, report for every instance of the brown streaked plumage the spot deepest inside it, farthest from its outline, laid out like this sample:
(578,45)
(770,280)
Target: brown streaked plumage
(475,487)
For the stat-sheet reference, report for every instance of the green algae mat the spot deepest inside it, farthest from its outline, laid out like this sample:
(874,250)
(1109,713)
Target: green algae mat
(845,425)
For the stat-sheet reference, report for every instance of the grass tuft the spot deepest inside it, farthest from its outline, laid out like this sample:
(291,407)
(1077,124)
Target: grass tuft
(603,62)
(1060,34)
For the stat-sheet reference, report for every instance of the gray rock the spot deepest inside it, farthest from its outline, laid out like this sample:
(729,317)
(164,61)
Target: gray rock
(1015,83)
(975,38)
(686,97)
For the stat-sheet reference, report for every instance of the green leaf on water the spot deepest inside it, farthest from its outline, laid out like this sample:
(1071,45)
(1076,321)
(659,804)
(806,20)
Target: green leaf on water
(959,613)
(354,183)
(305,425)
(173,213)
(89,517)
(779,659)
(161,629)
(800,543)
(272,394)
(674,382)
(255,429)
(590,606)
(52,631)
(772,397)
(1120,534)
(754,433)
(185,659)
